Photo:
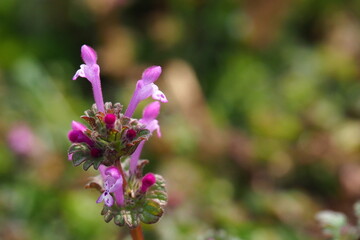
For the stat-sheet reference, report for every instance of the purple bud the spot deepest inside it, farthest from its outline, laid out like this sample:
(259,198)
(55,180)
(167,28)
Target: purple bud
(73,135)
(147,181)
(151,74)
(110,120)
(77,136)
(95,152)
(131,134)
(88,55)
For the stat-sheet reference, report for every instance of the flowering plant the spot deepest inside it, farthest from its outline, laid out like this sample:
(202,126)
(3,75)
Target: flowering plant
(112,142)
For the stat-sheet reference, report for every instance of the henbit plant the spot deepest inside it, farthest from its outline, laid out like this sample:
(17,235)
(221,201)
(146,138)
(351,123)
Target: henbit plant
(112,143)
(335,225)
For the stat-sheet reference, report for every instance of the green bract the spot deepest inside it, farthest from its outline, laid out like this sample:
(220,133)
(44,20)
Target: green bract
(109,144)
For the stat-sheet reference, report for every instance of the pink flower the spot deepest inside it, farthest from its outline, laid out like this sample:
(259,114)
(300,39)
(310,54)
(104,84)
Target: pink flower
(21,140)
(151,111)
(91,71)
(112,184)
(145,88)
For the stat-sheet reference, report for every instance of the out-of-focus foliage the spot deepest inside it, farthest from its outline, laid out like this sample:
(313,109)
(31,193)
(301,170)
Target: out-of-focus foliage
(262,128)
(335,224)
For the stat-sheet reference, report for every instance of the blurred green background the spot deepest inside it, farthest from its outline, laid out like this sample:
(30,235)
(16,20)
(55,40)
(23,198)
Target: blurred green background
(261,131)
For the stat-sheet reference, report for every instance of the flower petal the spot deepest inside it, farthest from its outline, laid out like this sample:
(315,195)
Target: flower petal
(116,185)
(144,91)
(101,198)
(108,200)
(102,169)
(78,126)
(159,95)
(88,55)
(109,182)
(79,73)
(151,74)
(151,111)
(113,172)
(135,157)
(119,196)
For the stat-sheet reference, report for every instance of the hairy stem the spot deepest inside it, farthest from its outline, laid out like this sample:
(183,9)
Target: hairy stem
(136,233)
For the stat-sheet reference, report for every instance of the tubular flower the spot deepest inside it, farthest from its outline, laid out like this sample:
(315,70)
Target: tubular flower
(112,184)
(150,113)
(91,71)
(145,88)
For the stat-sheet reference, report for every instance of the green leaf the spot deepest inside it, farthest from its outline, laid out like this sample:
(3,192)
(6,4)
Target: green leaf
(87,165)
(151,212)
(81,154)
(143,133)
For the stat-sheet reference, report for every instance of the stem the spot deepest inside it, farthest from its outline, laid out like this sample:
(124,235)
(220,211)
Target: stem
(118,166)
(136,233)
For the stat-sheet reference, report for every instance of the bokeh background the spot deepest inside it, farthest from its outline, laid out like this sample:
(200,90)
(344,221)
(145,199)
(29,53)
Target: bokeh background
(262,128)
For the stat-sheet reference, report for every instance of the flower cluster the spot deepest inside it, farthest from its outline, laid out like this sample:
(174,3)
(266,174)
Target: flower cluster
(112,142)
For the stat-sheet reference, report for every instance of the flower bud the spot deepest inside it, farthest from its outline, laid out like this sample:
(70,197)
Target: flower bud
(131,134)
(147,181)
(95,152)
(77,136)
(110,120)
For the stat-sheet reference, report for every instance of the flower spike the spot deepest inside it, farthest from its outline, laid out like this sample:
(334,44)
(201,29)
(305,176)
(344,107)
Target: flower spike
(111,142)
(91,71)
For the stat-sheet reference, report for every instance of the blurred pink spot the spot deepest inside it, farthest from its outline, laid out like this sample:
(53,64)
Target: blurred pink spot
(21,139)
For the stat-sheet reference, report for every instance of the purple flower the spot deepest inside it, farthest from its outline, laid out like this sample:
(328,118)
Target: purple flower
(151,111)
(147,181)
(146,88)
(91,71)
(112,184)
